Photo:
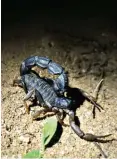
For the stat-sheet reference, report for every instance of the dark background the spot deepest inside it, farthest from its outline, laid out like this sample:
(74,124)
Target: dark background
(20,10)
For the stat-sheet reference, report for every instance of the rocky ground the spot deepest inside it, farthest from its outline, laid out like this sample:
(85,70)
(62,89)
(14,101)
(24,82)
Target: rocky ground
(87,58)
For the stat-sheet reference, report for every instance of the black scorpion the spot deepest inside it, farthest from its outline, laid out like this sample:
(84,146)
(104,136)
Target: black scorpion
(49,93)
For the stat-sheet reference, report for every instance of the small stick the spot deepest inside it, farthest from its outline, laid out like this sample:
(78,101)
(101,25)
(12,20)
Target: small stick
(95,95)
(96,91)
(99,147)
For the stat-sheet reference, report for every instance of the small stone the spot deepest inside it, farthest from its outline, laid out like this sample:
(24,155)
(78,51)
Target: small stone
(3,99)
(25,139)
(62,152)
(14,144)
(8,128)
(2,121)
(83,70)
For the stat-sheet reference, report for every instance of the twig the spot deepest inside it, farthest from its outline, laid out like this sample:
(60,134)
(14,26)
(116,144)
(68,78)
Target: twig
(95,95)
(96,91)
(99,147)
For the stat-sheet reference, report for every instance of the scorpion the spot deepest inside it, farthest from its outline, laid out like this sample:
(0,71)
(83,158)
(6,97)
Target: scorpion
(50,93)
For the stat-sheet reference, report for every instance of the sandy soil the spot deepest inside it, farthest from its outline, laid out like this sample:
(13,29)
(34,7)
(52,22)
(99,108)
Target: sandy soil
(86,59)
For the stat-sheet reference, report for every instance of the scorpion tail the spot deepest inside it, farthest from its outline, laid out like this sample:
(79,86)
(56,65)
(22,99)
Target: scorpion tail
(60,83)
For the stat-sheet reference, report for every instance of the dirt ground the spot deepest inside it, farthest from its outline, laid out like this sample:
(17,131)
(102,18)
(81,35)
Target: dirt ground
(87,58)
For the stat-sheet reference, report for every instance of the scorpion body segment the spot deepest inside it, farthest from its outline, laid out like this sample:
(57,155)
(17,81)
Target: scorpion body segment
(44,92)
(59,84)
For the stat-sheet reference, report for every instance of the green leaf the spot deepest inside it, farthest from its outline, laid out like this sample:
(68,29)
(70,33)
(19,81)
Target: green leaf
(33,154)
(49,130)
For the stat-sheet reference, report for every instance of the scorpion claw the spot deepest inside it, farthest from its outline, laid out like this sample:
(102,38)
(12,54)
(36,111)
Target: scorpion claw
(91,137)
(27,107)
(37,114)
(88,137)
(60,117)
(81,134)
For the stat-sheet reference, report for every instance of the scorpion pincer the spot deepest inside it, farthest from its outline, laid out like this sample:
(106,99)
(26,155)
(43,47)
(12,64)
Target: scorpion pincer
(49,93)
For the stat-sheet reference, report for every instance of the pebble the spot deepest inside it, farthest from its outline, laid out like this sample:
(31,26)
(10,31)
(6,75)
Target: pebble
(62,152)
(3,99)
(24,139)
(2,121)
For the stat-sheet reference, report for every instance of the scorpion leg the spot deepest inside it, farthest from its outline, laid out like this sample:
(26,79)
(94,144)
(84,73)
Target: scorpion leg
(44,111)
(17,82)
(44,104)
(38,113)
(28,95)
(39,98)
(81,134)
(58,112)
(91,99)
(60,118)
